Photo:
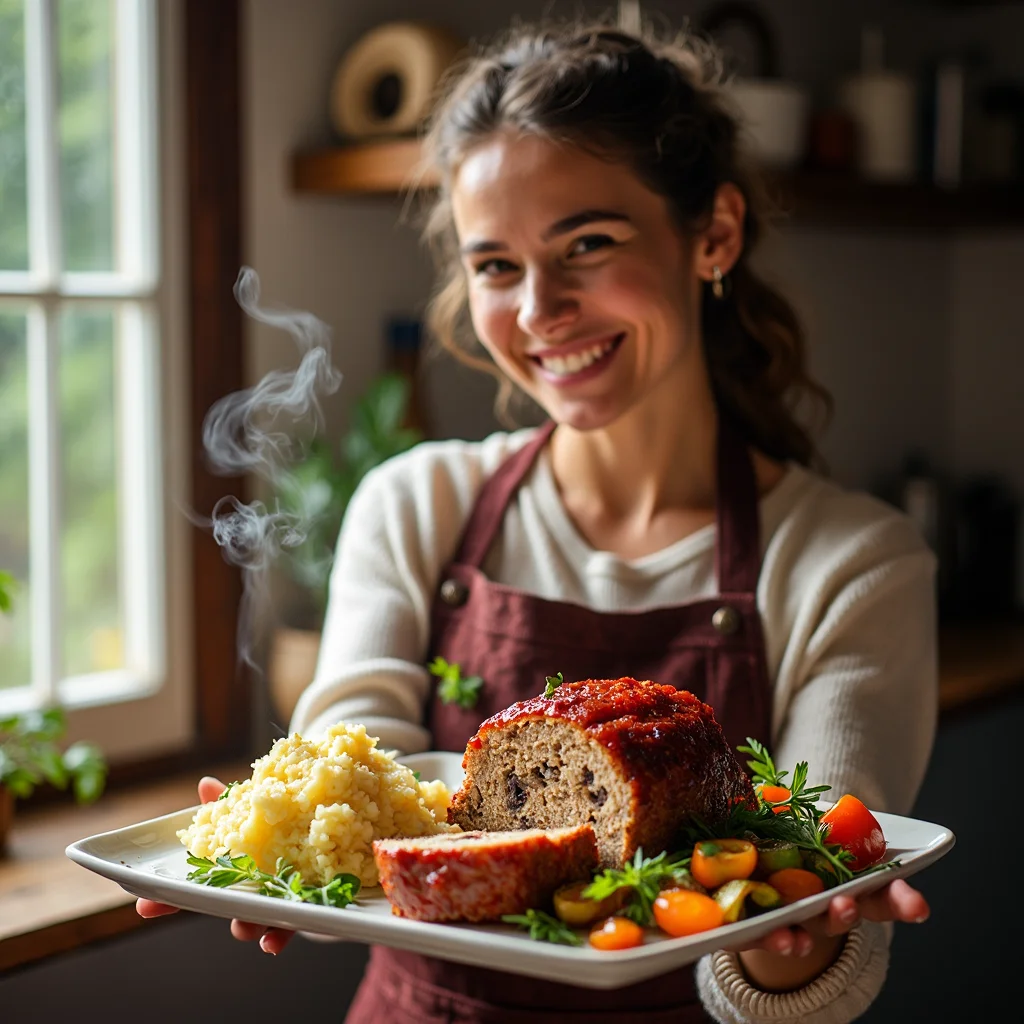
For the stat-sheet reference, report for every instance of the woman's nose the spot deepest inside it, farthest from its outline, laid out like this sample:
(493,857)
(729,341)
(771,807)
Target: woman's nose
(546,304)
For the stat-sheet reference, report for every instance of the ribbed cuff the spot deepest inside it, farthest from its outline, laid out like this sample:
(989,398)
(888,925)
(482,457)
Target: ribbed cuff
(839,995)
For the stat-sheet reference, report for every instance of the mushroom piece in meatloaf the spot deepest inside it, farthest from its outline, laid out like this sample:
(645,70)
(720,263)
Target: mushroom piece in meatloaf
(633,758)
(479,876)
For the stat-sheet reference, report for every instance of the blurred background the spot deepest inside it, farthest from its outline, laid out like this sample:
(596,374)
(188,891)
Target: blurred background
(150,148)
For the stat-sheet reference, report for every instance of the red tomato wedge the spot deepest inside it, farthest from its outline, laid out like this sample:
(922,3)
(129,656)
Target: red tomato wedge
(856,829)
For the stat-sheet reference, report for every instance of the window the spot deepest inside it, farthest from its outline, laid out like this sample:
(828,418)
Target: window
(91,499)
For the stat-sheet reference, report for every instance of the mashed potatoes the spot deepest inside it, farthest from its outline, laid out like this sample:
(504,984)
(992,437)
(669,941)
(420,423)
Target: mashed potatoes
(319,805)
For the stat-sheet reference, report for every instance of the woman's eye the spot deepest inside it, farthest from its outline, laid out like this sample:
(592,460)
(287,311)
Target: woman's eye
(494,268)
(590,243)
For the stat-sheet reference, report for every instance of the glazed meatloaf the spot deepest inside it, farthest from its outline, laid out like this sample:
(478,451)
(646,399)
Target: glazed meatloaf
(633,758)
(478,876)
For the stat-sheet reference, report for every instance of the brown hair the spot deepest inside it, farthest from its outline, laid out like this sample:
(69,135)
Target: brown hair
(658,107)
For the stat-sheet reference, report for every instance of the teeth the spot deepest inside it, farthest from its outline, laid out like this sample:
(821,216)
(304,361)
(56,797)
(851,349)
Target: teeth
(565,365)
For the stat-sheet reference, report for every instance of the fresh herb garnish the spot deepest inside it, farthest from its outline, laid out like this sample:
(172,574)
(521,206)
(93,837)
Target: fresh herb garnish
(453,689)
(286,882)
(644,877)
(416,776)
(799,824)
(544,928)
(227,789)
(552,683)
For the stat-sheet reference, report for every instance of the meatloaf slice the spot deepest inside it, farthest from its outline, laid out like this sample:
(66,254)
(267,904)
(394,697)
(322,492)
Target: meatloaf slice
(633,758)
(478,876)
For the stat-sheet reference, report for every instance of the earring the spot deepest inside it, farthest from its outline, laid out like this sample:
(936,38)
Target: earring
(718,282)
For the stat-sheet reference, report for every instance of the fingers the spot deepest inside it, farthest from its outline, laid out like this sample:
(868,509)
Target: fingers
(271,940)
(150,908)
(210,788)
(275,939)
(898,901)
(783,941)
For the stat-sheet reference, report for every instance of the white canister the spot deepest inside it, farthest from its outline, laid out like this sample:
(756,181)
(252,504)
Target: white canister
(773,115)
(883,105)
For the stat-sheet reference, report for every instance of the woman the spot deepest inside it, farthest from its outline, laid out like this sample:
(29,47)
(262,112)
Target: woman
(596,220)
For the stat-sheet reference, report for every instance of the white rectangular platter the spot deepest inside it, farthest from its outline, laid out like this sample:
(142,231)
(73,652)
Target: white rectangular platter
(148,860)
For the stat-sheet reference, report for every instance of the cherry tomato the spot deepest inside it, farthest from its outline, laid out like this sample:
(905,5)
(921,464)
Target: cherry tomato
(717,861)
(855,828)
(773,794)
(684,912)
(616,933)
(794,884)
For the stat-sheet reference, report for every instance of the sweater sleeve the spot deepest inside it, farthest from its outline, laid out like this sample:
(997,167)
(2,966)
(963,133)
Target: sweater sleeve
(400,529)
(863,677)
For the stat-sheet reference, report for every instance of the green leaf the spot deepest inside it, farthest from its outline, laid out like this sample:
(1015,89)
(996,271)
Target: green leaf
(286,882)
(552,683)
(8,585)
(543,927)
(51,765)
(88,785)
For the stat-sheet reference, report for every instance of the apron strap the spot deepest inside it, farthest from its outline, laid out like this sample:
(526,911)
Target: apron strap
(738,542)
(738,514)
(498,489)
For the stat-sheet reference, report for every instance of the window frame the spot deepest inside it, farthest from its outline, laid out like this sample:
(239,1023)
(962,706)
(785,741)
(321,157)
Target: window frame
(202,337)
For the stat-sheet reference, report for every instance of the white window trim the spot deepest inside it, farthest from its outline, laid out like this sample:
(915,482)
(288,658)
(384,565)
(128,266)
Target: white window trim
(110,708)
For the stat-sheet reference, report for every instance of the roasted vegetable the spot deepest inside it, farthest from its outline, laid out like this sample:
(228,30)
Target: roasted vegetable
(849,824)
(732,898)
(794,884)
(684,912)
(717,861)
(575,909)
(776,854)
(616,933)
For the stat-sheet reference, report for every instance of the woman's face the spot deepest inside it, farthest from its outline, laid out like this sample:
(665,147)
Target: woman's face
(580,285)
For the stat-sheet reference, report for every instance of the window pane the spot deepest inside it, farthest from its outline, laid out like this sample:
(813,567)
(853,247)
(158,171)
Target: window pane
(15,636)
(89,501)
(13,196)
(86,132)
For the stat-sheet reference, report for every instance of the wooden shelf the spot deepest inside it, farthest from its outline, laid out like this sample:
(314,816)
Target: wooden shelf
(836,200)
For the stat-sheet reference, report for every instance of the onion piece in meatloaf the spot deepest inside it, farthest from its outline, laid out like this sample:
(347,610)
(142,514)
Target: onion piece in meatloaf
(478,876)
(633,758)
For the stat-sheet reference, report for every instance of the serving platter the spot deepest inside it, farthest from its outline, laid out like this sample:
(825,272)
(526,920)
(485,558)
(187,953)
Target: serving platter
(147,859)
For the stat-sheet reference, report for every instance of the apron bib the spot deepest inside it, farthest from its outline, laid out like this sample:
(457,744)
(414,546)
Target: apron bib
(512,640)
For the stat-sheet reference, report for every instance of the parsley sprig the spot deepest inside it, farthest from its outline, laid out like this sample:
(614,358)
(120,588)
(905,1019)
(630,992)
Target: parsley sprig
(644,877)
(453,688)
(285,883)
(552,683)
(544,928)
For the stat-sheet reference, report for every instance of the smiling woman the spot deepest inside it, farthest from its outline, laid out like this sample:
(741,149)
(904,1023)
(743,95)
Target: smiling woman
(595,219)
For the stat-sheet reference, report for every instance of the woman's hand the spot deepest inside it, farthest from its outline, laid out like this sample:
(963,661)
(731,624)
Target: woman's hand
(272,940)
(789,958)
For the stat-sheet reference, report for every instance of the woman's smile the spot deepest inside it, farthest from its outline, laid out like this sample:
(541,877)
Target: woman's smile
(576,362)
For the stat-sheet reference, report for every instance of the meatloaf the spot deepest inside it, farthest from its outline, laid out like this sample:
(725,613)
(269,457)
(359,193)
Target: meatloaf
(478,876)
(633,758)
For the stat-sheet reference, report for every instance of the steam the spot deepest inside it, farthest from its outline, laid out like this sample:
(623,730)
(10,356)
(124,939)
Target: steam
(244,433)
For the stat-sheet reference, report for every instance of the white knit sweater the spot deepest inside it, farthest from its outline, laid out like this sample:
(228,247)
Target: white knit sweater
(847,605)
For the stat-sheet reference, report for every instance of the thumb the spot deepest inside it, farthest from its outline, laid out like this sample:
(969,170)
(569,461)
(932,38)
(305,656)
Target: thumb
(210,788)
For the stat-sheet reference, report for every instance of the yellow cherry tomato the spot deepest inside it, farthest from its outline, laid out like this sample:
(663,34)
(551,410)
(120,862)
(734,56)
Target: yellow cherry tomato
(684,912)
(717,861)
(616,933)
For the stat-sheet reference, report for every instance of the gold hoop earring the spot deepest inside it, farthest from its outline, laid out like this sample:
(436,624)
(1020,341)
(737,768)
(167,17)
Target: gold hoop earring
(717,283)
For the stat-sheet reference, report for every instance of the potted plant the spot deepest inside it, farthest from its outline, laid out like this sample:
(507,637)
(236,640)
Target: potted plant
(316,491)
(29,754)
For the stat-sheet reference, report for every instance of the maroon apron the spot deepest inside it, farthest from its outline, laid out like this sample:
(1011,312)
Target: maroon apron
(512,640)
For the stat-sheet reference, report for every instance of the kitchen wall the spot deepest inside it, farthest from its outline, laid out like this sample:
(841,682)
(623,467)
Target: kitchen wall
(893,318)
